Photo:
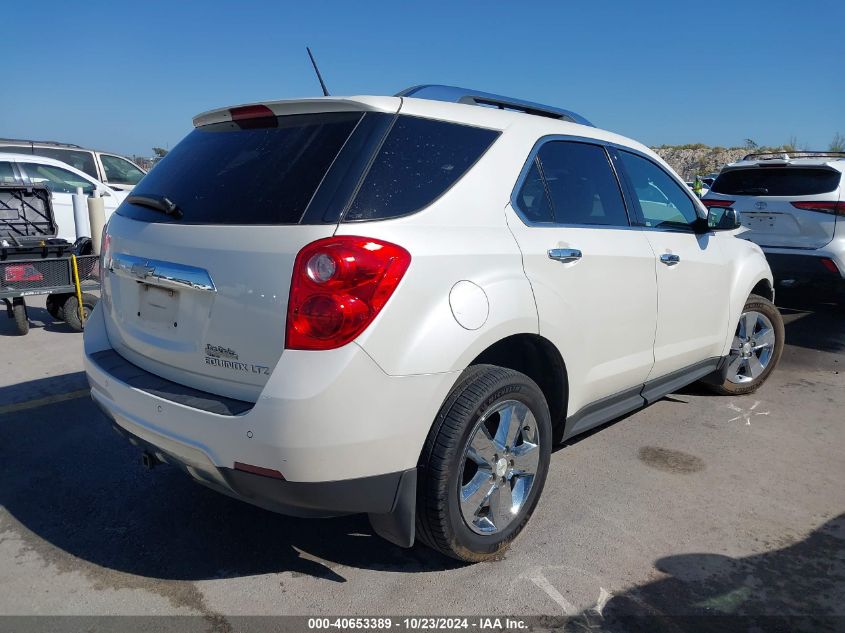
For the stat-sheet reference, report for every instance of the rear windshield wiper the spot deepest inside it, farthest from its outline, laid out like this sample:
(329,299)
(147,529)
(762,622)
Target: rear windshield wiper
(157,203)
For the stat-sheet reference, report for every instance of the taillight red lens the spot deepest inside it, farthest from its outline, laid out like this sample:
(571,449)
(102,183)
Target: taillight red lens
(822,206)
(717,203)
(339,285)
(830,265)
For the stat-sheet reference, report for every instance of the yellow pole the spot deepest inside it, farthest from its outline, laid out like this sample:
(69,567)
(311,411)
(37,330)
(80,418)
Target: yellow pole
(78,291)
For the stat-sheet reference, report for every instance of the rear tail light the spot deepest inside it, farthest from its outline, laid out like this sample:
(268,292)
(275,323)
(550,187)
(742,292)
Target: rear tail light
(22,272)
(830,265)
(717,203)
(822,206)
(339,285)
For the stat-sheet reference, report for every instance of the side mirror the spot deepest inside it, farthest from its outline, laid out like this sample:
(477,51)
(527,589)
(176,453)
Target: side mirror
(723,218)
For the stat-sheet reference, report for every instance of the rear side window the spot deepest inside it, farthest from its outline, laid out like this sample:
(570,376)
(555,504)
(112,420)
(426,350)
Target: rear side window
(580,183)
(419,160)
(81,160)
(263,171)
(777,181)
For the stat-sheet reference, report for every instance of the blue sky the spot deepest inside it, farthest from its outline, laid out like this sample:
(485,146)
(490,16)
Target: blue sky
(125,76)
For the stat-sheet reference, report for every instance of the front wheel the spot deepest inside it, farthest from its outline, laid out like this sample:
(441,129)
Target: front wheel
(484,464)
(756,347)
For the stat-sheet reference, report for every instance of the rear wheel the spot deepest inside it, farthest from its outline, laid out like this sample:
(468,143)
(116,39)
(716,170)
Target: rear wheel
(484,464)
(19,314)
(756,347)
(70,310)
(55,304)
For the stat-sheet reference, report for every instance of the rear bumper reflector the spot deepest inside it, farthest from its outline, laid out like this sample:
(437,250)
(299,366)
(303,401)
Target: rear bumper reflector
(258,470)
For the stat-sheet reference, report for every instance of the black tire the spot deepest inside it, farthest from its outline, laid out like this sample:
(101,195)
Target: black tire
(19,314)
(70,311)
(55,305)
(765,307)
(440,523)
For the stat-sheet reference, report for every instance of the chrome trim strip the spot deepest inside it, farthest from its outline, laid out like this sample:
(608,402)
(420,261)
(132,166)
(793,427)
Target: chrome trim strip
(161,273)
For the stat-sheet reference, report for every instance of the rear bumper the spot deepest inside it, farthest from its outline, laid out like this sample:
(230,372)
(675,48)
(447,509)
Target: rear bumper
(322,417)
(807,265)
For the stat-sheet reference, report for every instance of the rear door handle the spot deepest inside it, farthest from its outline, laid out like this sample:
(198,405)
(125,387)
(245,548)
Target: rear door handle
(565,255)
(669,259)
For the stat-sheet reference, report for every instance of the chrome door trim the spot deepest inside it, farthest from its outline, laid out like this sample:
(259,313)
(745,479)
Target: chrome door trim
(161,273)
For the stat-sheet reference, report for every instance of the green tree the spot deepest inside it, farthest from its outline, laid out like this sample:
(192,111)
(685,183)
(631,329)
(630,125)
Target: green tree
(838,143)
(160,152)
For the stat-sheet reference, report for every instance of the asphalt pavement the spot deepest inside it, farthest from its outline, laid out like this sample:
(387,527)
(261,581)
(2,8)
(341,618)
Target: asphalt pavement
(699,504)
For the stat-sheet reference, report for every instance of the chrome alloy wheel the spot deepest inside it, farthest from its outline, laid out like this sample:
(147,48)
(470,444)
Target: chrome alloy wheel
(752,347)
(498,467)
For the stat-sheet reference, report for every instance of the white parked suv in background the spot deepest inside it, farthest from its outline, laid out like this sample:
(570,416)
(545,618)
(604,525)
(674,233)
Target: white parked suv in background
(118,172)
(397,305)
(793,206)
(62,180)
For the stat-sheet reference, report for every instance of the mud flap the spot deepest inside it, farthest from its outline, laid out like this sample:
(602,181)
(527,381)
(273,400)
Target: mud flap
(397,526)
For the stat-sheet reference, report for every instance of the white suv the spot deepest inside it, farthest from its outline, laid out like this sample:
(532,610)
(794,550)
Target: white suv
(397,305)
(794,207)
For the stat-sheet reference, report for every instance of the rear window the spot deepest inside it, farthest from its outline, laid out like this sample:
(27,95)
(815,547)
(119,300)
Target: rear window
(776,181)
(257,172)
(419,160)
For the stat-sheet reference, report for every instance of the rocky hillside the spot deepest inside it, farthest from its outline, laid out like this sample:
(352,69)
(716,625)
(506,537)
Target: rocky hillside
(689,160)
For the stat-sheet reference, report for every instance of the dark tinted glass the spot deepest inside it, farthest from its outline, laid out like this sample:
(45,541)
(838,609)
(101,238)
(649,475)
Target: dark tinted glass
(532,199)
(7,174)
(662,201)
(776,181)
(582,185)
(82,160)
(262,173)
(419,160)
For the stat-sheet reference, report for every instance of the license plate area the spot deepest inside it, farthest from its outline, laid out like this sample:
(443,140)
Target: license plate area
(158,305)
(770,222)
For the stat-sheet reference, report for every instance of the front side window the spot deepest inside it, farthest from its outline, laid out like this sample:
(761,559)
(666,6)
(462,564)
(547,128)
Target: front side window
(419,160)
(662,202)
(56,179)
(120,171)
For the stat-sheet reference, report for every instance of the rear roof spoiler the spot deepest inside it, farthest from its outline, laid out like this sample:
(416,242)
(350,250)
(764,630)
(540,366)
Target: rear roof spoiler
(453,94)
(786,155)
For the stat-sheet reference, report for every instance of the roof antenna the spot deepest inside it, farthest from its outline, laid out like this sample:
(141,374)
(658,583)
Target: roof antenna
(317,70)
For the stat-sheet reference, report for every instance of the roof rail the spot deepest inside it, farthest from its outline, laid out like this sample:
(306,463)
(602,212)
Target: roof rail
(31,142)
(786,155)
(476,97)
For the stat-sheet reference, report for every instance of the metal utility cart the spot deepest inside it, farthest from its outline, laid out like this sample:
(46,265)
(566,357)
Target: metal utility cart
(34,262)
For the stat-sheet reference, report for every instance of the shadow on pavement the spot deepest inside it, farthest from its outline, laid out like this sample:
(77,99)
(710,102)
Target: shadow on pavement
(813,319)
(75,490)
(38,318)
(798,587)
